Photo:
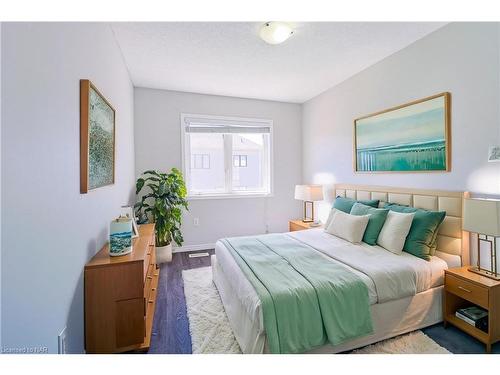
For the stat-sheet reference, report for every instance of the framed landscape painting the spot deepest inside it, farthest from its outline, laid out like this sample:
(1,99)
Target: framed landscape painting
(413,137)
(97,139)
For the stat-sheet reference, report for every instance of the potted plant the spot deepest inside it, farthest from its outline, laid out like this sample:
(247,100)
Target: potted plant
(162,203)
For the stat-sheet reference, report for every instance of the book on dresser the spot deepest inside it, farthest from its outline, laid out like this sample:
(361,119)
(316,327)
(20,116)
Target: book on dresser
(120,297)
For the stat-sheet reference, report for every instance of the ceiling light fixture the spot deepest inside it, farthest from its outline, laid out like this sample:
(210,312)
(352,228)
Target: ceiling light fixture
(275,32)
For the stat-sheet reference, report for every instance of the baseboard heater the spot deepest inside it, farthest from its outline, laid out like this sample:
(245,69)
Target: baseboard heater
(198,255)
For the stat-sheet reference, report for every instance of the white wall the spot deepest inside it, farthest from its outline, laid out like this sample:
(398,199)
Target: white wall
(460,58)
(158,146)
(49,229)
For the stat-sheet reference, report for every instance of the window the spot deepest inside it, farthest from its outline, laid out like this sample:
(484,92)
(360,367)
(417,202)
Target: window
(200,161)
(239,161)
(226,156)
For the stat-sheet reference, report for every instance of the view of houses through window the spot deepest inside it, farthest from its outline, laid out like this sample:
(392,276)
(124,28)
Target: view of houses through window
(227,162)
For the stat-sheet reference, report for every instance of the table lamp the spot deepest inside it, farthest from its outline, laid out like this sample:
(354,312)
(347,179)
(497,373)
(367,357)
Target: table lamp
(482,216)
(309,194)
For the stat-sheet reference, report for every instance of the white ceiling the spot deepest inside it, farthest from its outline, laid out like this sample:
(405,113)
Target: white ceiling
(230,59)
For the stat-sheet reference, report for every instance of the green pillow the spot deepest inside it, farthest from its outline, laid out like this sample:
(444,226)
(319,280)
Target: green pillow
(345,204)
(423,230)
(375,222)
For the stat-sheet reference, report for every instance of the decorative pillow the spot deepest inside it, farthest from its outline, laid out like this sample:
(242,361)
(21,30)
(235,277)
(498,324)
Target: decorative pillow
(375,222)
(421,240)
(393,234)
(345,204)
(346,226)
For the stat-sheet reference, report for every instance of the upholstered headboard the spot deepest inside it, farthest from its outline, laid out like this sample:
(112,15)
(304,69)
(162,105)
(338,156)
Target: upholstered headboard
(451,239)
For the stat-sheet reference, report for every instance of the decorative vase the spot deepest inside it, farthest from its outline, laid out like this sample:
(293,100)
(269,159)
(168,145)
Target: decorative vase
(120,236)
(164,254)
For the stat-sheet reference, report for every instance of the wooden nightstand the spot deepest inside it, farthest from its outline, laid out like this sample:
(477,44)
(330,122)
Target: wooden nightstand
(463,288)
(294,225)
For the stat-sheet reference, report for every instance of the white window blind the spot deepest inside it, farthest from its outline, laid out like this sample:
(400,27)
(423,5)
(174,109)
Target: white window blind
(207,125)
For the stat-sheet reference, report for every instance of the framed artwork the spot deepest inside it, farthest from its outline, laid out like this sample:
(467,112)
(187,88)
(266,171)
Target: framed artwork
(97,139)
(413,137)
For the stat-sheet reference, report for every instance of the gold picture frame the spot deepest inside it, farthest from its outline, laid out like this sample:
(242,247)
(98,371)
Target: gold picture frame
(97,139)
(377,158)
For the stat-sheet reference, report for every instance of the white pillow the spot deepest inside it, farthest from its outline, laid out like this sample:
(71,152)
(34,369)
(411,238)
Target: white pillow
(397,225)
(346,226)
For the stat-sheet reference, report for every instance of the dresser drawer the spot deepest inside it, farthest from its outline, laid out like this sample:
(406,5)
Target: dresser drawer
(467,290)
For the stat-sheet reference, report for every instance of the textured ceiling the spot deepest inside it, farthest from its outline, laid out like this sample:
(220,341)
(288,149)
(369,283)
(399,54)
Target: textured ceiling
(230,59)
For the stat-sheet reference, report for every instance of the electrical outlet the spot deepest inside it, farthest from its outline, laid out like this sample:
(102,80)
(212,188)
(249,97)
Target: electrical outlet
(196,221)
(61,342)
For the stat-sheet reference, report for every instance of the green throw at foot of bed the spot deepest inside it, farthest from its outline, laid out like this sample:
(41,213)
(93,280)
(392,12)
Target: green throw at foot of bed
(307,299)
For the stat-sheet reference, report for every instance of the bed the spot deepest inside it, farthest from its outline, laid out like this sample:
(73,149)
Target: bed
(404,292)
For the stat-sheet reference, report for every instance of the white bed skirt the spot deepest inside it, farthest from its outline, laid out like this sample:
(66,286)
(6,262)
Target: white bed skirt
(390,319)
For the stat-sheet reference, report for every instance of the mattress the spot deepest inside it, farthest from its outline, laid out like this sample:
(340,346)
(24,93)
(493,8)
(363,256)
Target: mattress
(386,275)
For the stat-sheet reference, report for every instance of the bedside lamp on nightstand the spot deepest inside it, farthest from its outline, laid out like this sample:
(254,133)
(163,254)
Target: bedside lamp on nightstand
(482,216)
(309,194)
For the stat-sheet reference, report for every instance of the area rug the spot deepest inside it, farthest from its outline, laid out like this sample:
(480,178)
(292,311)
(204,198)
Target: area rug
(211,333)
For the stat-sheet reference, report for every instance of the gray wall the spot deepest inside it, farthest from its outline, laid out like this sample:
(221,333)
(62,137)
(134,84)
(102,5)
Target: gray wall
(158,145)
(0,185)
(462,58)
(50,230)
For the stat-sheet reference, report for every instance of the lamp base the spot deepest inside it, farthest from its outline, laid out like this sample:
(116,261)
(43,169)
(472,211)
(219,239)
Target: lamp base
(484,273)
(306,219)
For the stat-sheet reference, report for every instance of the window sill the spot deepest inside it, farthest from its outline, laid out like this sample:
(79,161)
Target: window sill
(228,196)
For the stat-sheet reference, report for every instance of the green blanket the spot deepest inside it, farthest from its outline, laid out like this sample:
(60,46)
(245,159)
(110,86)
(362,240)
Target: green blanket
(306,298)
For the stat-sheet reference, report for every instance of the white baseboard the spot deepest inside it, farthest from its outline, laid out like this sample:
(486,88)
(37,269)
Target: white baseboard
(203,246)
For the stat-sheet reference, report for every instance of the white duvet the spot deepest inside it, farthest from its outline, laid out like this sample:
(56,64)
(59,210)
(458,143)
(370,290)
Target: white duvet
(387,276)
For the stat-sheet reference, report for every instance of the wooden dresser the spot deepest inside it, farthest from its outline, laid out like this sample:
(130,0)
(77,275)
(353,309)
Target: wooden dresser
(120,297)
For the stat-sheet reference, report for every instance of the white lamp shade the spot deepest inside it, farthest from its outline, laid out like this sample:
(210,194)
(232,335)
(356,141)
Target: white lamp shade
(482,216)
(309,193)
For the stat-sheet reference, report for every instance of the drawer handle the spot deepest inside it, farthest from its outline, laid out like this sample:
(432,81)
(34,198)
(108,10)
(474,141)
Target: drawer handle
(150,277)
(150,301)
(153,289)
(465,290)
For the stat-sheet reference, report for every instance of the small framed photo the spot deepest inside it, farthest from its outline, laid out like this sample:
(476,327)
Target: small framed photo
(494,153)
(128,211)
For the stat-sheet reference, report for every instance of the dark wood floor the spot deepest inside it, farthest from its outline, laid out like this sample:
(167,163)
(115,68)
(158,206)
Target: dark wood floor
(170,325)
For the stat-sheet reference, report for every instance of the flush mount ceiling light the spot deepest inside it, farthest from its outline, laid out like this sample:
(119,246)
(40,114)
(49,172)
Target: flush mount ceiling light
(275,32)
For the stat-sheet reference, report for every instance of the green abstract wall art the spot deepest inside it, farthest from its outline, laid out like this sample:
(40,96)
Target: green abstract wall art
(97,139)
(413,137)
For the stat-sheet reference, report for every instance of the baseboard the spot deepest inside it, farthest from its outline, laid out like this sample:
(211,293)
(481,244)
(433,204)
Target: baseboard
(203,246)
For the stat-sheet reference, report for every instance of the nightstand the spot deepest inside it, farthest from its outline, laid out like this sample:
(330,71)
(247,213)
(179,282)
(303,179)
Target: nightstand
(463,288)
(294,225)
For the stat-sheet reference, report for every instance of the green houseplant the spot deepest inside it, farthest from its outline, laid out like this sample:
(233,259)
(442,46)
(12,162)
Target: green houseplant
(162,202)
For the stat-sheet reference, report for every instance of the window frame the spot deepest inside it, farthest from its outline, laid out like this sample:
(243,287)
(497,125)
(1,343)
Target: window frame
(186,160)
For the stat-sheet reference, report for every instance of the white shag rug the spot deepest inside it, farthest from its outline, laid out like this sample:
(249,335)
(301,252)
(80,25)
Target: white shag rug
(208,324)
(211,333)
